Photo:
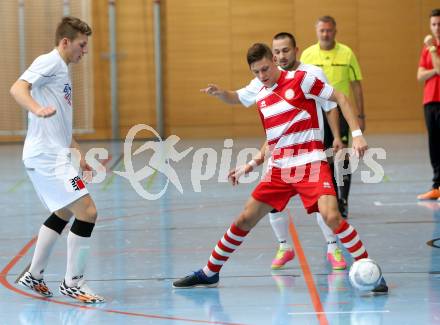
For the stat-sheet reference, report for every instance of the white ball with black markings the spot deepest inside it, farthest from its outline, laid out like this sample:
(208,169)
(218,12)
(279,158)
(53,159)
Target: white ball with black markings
(365,274)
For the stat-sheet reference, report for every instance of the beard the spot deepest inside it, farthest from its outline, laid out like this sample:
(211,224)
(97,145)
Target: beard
(289,66)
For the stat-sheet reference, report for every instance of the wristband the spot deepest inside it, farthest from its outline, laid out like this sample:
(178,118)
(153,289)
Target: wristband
(356,133)
(252,163)
(361,116)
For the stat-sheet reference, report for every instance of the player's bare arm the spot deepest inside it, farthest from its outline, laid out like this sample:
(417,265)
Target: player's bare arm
(235,174)
(83,163)
(429,42)
(333,122)
(425,74)
(435,61)
(359,142)
(227,96)
(85,167)
(20,91)
(358,95)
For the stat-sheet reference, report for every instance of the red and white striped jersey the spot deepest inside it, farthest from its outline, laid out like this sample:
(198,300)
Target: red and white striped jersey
(292,118)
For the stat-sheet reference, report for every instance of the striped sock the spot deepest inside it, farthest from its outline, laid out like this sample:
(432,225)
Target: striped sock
(351,241)
(224,248)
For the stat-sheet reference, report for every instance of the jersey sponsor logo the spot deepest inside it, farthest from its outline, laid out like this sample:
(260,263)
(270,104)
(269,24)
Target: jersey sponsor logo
(326,185)
(68,94)
(289,94)
(77,183)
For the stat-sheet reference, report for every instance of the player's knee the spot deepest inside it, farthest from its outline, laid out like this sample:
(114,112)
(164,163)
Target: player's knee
(245,221)
(91,213)
(333,219)
(64,214)
(82,228)
(88,213)
(324,211)
(85,210)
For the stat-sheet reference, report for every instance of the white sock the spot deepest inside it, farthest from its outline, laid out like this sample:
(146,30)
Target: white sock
(331,246)
(77,253)
(208,272)
(45,242)
(329,236)
(280,226)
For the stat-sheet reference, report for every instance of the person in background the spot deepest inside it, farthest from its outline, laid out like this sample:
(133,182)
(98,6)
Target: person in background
(429,73)
(343,72)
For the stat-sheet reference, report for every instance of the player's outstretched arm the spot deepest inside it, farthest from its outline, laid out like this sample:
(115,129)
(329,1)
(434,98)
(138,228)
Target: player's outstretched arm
(227,96)
(359,142)
(20,91)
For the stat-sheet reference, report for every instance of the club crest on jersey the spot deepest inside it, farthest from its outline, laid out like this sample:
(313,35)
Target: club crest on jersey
(326,185)
(263,104)
(77,183)
(289,94)
(68,94)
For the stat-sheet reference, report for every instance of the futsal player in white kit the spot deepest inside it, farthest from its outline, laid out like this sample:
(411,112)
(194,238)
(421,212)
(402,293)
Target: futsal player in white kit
(45,90)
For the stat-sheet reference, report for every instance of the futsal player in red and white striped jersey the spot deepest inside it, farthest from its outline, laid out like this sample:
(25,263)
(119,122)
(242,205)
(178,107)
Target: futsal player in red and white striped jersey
(292,122)
(284,49)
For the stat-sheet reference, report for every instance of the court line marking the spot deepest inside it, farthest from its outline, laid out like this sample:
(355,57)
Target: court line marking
(4,281)
(314,295)
(109,181)
(392,204)
(342,312)
(17,185)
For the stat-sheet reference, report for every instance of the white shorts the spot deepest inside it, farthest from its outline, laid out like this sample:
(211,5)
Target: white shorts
(55,180)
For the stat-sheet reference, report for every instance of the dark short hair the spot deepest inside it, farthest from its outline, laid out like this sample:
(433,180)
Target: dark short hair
(326,19)
(69,27)
(435,13)
(283,35)
(257,52)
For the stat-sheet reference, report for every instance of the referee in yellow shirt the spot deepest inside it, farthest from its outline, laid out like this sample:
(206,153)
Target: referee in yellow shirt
(343,72)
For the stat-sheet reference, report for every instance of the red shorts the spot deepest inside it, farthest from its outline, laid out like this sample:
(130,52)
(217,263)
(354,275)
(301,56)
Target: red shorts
(310,181)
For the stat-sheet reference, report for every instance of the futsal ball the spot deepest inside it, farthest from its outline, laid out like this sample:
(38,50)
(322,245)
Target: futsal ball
(365,274)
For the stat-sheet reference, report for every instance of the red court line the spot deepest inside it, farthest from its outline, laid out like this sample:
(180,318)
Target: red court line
(314,295)
(4,281)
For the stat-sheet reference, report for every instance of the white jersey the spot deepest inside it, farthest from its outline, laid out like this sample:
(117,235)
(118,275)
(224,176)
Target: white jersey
(51,86)
(248,94)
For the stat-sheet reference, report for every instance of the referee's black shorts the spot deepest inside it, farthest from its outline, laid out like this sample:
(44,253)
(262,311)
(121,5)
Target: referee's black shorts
(343,128)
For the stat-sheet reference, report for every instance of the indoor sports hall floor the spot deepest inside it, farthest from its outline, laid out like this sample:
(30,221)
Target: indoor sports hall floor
(140,246)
